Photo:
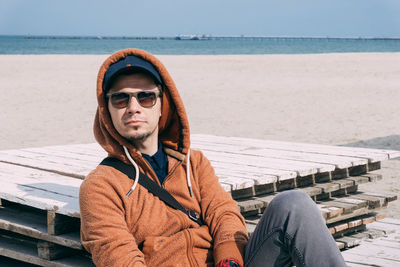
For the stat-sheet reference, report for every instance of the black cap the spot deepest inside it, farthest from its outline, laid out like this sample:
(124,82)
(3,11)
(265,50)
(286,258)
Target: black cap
(126,64)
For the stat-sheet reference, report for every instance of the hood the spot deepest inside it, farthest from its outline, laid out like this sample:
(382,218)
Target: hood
(173,125)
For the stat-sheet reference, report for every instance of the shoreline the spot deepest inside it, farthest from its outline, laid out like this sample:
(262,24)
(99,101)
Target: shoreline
(196,37)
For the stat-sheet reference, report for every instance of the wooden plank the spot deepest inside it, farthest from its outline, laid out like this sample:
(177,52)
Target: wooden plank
(25,250)
(50,251)
(311,190)
(373,166)
(358,202)
(347,207)
(45,180)
(367,260)
(340,245)
(258,178)
(39,194)
(376,253)
(66,153)
(280,174)
(252,204)
(388,228)
(338,161)
(372,154)
(358,170)
(391,221)
(349,241)
(302,168)
(341,227)
(359,179)
(373,202)
(387,196)
(385,243)
(236,182)
(373,177)
(328,187)
(32,222)
(60,224)
(344,183)
(355,213)
(58,167)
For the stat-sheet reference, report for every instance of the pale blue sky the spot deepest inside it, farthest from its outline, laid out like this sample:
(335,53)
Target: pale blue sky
(311,18)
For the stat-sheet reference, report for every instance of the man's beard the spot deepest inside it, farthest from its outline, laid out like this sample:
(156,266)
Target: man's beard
(140,137)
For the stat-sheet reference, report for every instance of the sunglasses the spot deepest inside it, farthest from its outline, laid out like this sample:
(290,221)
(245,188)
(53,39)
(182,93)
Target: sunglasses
(146,99)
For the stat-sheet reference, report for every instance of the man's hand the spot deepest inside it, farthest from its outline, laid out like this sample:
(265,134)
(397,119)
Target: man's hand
(228,263)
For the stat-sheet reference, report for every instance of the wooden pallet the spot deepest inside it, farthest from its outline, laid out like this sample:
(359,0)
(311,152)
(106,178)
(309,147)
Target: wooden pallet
(380,245)
(39,213)
(41,253)
(242,164)
(37,224)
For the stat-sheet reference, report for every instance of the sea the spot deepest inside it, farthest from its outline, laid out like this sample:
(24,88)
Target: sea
(194,45)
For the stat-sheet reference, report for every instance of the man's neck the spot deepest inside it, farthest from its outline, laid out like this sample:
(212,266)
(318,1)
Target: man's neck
(149,146)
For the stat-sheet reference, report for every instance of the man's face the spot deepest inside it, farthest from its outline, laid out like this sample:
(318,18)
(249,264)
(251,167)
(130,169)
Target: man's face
(134,122)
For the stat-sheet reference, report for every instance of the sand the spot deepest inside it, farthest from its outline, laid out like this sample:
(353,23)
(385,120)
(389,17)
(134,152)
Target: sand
(319,98)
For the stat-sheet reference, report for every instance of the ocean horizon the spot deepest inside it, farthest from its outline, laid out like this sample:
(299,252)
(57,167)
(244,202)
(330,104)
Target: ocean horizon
(194,44)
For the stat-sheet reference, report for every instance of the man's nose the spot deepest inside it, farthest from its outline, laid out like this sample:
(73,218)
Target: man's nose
(133,105)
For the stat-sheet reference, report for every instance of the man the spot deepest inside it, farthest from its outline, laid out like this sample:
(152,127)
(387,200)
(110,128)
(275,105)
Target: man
(141,121)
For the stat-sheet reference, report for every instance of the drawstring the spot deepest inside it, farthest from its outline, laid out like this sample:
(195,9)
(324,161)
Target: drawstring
(136,170)
(188,173)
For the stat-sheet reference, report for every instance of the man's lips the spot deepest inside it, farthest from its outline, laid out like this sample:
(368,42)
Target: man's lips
(134,122)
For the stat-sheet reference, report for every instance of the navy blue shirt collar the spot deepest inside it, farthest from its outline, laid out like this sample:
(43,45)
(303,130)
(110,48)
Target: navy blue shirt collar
(158,162)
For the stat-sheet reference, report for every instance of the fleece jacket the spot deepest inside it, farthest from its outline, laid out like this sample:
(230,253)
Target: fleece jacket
(141,230)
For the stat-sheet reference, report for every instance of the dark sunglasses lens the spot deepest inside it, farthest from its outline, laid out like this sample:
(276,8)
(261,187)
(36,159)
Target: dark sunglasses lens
(147,99)
(120,100)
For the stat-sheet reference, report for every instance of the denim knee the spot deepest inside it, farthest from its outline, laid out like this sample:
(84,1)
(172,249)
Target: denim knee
(291,201)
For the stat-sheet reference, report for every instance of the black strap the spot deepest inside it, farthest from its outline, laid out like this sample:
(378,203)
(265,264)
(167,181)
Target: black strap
(151,186)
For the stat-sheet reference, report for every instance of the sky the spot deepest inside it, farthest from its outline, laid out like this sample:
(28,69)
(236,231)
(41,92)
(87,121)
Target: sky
(278,18)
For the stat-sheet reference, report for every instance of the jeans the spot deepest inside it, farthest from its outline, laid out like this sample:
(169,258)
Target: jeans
(292,232)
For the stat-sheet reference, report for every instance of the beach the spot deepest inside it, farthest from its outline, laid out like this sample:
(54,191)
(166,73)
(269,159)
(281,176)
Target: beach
(336,99)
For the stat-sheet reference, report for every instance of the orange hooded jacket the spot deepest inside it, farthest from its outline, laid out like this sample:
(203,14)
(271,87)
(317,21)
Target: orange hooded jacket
(141,230)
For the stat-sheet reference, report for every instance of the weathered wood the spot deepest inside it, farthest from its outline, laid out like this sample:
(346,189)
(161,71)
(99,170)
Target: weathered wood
(340,173)
(372,154)
(388,228)
(373,177)
(280,174)
(302,168)
(387,196)
(347,207)
(250,205)
(25,250)
(373,166)
(373,202)
(352,257)
(349,241)
(51,251)
(32,222)
(355,213)
(328,187)
(359,179)
(377,253)
(340,245)
(358,202)
(60,224)
(338,161)
(358,170)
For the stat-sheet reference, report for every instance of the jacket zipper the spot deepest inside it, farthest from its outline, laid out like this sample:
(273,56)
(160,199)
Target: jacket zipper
(172,172)
(189,251)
